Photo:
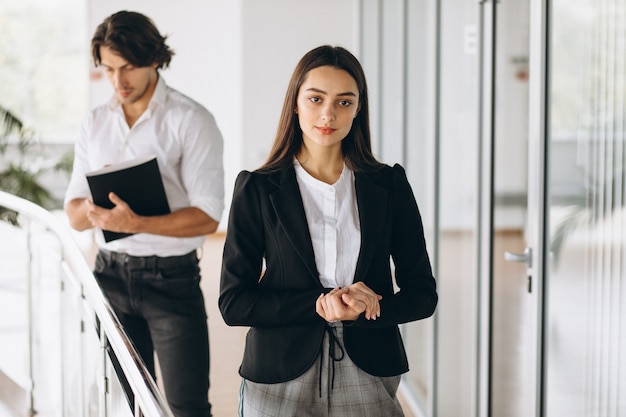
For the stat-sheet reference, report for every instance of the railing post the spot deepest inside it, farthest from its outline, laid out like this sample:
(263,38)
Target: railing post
(31,317)
(104,382)
(83,398)
(62,329)
(138,412)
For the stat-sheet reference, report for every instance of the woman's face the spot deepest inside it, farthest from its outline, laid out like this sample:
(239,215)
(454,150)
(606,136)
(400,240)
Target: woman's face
(328,102)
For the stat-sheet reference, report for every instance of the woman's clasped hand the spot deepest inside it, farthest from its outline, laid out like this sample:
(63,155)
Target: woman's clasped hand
(349,303)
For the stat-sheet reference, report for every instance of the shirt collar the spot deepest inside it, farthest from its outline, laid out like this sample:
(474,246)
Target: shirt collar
(339,186)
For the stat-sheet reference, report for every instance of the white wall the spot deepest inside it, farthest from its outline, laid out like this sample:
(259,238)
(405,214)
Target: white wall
(276,33)
(236,57)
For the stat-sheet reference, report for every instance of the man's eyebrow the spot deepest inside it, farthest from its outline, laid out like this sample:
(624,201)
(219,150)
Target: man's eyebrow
(317,90)
(107,66)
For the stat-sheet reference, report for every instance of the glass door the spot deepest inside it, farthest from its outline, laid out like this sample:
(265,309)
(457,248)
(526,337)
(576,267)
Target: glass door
(516,222)
(564,355)
(585,322)
(490,222)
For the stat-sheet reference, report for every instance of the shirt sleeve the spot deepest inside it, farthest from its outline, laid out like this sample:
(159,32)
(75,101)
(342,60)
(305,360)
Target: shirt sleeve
(78,186)
(202,168)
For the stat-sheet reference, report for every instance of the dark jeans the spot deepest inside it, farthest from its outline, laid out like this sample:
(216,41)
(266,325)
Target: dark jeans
(160,304)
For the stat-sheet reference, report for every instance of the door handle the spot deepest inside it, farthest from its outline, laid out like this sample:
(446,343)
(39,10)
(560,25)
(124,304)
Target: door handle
(526,257)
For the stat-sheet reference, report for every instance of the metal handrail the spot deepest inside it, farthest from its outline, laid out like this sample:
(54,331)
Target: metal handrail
(147,396)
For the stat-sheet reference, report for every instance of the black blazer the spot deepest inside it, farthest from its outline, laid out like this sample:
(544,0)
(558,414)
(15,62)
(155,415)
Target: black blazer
(267,222)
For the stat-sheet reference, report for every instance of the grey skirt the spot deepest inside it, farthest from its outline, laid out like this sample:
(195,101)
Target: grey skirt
(334,387)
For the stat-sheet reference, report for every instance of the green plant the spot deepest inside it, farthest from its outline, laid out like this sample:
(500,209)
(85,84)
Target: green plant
(16,175)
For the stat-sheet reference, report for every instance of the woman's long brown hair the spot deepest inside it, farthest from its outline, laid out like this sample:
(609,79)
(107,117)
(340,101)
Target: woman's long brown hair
(356,146)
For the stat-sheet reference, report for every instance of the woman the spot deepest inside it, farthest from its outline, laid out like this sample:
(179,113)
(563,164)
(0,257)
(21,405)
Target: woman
(307,257)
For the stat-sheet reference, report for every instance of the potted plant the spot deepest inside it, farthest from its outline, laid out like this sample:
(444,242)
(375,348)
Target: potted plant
(19,175)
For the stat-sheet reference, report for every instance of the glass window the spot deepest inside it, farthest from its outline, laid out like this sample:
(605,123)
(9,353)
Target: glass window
(586,318)
(44,65)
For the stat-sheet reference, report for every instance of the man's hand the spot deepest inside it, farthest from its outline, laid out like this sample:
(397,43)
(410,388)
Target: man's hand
(118,219)
(185,222)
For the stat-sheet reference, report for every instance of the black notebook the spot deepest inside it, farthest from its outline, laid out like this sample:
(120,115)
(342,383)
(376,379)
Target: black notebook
(138,182)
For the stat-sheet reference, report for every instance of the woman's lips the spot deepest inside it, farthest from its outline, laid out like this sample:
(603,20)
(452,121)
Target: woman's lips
(326,130)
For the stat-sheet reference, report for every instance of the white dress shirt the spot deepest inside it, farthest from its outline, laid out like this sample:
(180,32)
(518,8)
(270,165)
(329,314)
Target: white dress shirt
(332,215)
(189,149)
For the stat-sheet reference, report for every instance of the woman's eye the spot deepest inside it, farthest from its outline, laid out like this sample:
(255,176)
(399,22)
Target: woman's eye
(315,99)
(345,103)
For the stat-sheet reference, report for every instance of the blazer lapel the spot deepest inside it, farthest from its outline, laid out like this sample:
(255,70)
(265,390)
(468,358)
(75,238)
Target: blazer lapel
(289,210)
(372,200)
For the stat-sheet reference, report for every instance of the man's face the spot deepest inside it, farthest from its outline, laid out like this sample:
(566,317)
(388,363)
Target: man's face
(129,82)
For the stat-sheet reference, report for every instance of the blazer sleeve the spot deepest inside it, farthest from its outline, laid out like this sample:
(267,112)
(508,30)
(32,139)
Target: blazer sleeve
(413,270)
(246,297)
(416,296)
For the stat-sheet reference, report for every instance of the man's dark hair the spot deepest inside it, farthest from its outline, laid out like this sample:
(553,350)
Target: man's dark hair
(134,37)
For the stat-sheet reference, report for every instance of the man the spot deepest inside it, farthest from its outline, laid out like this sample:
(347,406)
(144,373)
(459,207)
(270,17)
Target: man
(151,278)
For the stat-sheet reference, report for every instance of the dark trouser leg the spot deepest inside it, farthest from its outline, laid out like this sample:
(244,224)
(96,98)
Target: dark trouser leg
(114,280)
(183,352)
(170,301)
(173,305)
(137,330)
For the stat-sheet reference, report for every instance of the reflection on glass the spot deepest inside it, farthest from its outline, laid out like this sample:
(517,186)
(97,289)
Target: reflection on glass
(586,318)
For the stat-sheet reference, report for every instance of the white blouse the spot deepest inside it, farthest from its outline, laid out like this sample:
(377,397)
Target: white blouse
(333,218)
